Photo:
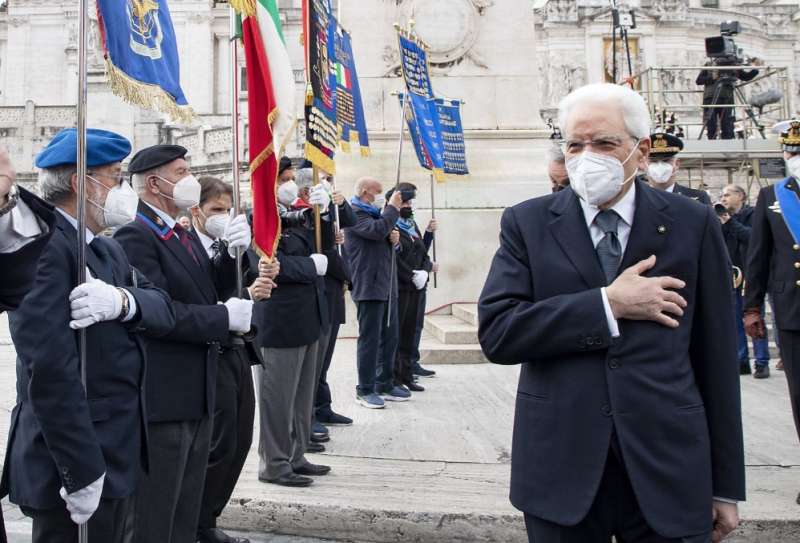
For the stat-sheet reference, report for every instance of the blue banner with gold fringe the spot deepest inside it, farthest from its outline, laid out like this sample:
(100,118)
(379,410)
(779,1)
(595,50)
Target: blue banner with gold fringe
(455,151)
(349,106)
(142,55)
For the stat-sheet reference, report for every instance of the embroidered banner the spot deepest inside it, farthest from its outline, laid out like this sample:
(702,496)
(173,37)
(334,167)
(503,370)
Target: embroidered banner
(349,107)
(455,151)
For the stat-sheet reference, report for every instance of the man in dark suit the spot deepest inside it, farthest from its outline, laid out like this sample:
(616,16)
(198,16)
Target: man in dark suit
(181,379)
(664,165)
(773,263)
(75,453)
(628,420)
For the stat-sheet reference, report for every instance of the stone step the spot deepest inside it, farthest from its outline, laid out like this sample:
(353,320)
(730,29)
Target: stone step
(433,351)
(467,313)
(451,330)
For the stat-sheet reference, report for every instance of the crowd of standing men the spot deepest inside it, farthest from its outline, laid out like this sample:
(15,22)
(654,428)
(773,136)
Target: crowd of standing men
(153,445)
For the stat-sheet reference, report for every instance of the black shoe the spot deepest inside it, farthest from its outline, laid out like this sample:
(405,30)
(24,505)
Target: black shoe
(292,479)
(744,368)
(414,387)
(315,470)
(215,535)
(334,419)
(315,447)
(316,438)
(422,372)
(762,372)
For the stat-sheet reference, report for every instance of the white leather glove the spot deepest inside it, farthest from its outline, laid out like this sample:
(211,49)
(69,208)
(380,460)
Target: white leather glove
(94,301)
(321,263)
(237,234)
(82,503)
(420,279)
(240,314)
(319,197)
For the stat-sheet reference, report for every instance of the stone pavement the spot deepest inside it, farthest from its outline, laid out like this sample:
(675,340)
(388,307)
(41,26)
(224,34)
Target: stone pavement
(436,468)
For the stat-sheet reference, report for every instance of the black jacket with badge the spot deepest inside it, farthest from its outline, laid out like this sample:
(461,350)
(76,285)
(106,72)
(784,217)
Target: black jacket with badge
(183,364)
(58,437)
(338,269)
(413,255)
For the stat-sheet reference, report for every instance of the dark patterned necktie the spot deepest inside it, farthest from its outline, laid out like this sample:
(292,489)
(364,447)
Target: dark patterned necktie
(183,236)
(609,250)
(102,255)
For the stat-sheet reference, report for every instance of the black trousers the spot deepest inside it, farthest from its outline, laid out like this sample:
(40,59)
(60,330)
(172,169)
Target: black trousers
(790,354)
(111,523)
(615,512)
(407,307)
(2,529)
(323,399)
(231,434)
(722,117)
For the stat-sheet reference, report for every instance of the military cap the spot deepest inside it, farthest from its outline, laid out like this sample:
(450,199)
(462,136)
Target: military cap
(663,145)
(286,163)
(102,147)
(151,158)
(790,135)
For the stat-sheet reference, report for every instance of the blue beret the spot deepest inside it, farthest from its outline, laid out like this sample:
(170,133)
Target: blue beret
(102,147)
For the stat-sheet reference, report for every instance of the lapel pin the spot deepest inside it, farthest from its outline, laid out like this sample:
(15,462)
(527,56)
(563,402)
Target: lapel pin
(662,229)
(159,222)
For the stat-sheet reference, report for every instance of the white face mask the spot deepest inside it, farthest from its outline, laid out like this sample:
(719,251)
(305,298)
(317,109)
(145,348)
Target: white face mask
(379,202)
(215,225)
(287,193)
(120,206)
(186,193)
(793,166)
(660,172)
(597,178)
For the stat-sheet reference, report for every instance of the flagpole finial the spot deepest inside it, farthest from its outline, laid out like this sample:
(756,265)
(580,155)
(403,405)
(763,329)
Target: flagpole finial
(396,26)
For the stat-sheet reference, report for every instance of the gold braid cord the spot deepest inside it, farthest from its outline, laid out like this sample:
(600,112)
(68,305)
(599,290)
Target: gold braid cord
(245,8)
(146,96)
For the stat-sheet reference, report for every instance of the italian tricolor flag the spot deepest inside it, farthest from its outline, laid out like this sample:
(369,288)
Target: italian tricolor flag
(344,77)
(270,103)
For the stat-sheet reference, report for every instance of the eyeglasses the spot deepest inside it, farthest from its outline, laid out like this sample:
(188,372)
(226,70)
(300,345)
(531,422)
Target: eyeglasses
(603,144)
(119,179)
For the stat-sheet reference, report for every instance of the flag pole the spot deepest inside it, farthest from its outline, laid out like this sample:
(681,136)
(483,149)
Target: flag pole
(83,529)
(433,216)
(237,196)
(317,215)
(404,101)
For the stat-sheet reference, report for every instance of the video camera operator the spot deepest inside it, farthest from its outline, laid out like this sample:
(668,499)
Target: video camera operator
(719,85)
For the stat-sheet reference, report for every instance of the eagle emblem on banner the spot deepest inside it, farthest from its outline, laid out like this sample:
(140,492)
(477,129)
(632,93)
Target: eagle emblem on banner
(145,28)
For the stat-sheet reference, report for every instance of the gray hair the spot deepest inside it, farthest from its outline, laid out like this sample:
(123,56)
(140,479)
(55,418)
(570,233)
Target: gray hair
(139,180)
(362,184)
(555,154)
(634,109)
(55,184)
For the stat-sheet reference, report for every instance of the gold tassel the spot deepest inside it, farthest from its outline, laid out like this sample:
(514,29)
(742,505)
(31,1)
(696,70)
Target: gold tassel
(146,96)
(345,146)
(438,174)
(365,152)
(320,159)
(246,8)
(309,95)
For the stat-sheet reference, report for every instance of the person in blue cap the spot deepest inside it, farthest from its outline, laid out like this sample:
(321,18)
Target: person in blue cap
(75,454)
(773,263)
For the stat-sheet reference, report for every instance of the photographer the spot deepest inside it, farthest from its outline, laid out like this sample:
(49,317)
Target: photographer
(719,86)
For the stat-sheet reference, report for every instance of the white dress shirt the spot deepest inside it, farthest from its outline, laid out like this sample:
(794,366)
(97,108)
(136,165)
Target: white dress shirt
(206,241)
(625,208)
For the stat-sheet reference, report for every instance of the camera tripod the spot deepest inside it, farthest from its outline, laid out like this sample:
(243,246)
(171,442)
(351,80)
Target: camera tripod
(730,81)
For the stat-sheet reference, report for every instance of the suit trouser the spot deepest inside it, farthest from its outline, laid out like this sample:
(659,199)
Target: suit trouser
(322,351)
(111,523)
(724,116)
(323,400)
(790,354)
(169,496)
(407,317)
(423,300)
(615,512)
(377,345)
(232,434)
(288,381)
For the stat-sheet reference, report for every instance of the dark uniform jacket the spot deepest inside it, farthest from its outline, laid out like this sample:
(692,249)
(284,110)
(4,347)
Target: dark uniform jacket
(671,396)
(699,195)
(709,77)
(58,437)
(338,269)
(370,255)
(183,364)
(296,313)
(413,255)
(773,262)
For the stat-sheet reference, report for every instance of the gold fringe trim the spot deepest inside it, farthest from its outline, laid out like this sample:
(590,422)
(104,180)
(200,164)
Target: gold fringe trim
(365,152)
(262,156)
(245,8)
(320,159)
(273,115)
(345,146)
(439,175)
(146,96)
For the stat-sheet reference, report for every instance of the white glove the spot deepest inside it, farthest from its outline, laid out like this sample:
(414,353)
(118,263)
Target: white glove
(240,314)
(420,279)
(82,503)
(319,197)
(93,302)
(321,263)
(237,234)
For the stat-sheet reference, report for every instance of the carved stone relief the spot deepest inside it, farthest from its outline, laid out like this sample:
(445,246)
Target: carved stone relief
(558,77)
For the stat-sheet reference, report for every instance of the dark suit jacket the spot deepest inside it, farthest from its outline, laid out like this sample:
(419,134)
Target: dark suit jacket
(338,268)
(771,262)
(183,364)
(58,437)
(699,195)
(672,395)
(18,269)
(413,256)
(370,255)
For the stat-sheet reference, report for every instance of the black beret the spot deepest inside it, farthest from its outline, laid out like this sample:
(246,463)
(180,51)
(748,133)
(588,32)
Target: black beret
(663,145)
(151,158)
(285,164)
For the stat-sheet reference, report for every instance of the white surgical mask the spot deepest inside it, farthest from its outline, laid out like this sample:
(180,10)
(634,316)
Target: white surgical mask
(215,225)
(597,178)
(186,193)
(793,166)
(660,172)
(287,193)
(379,202)
(120,206)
